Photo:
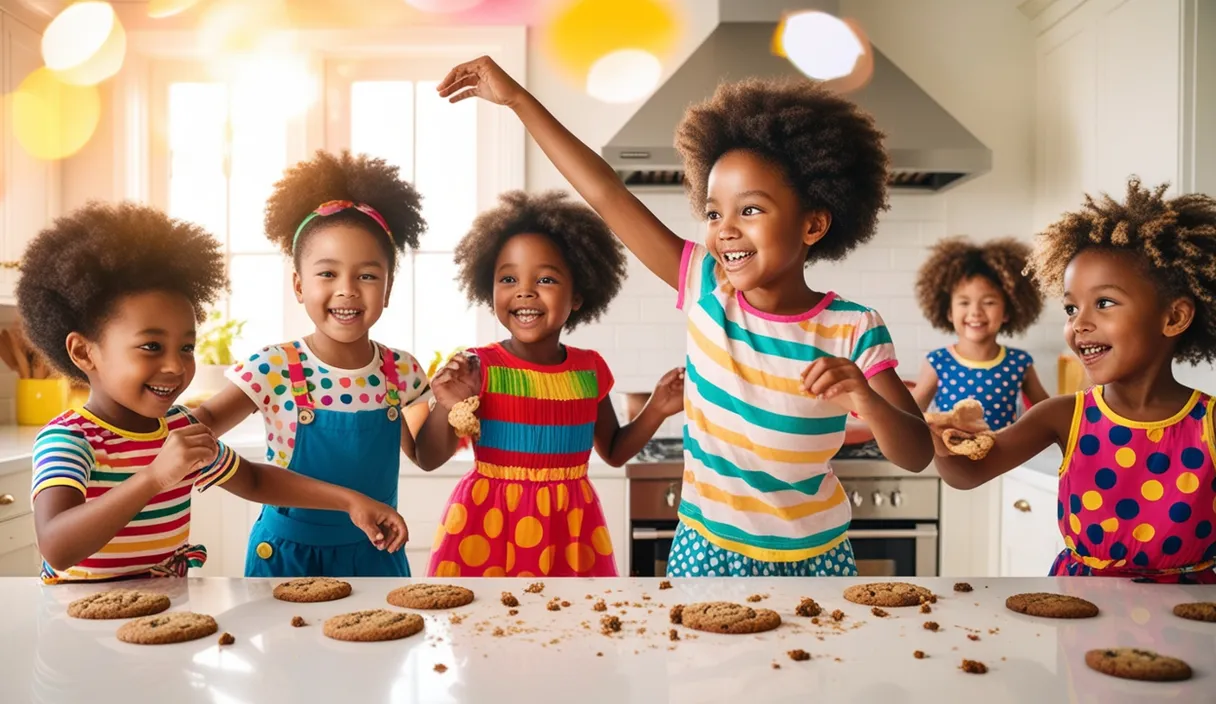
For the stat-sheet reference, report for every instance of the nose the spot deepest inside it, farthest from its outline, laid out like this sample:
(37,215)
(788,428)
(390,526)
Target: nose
(1081,322)
(172,364)
(525,292)
(727,227)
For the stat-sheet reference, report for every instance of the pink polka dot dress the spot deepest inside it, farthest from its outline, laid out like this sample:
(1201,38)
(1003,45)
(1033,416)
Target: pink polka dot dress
(1138,499)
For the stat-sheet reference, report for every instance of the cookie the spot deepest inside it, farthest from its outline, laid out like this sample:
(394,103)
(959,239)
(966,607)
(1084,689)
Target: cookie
(1137,664)
(974,446)
(1051,605)
(726,617)
(373,625)
(463,418)
(1198,611)
(887,594)
(173,627)
(430,596)
(118,603)
(967,415)
(312,589)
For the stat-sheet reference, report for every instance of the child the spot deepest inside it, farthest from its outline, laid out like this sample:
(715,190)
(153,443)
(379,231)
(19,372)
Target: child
(1137,483)
(332,402)
(978,292)
(543,264)
(785,174)
(111,296)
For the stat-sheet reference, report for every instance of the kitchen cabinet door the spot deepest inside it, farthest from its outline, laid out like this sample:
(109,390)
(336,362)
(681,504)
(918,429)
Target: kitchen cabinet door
(1030,538)
(18,549)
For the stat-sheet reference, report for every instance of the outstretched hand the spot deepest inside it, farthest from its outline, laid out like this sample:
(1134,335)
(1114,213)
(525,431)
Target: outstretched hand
(480,78)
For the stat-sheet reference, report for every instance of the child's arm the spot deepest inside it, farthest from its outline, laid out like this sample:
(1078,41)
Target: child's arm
(926,386)
(1032,387)
(1045,423)
(436,440)
(649,239)
(225,410)
(616,444)
(68,528)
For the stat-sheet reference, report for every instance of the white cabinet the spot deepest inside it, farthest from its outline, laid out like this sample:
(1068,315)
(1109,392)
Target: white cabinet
(1030,537)
(18,551)
(30,186)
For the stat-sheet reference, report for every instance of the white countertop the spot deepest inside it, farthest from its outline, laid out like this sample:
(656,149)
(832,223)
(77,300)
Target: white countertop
(550,657)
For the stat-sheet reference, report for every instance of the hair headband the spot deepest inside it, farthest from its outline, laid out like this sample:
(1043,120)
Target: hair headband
(337,206)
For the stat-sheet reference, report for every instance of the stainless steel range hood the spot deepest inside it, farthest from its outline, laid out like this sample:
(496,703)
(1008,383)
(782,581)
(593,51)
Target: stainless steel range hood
(930,150)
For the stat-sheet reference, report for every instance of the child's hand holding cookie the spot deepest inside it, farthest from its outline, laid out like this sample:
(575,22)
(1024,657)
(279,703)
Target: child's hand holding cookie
(961,431)
(458,380)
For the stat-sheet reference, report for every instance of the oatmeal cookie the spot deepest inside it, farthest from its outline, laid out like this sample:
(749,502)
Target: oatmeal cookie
(887,594)
(162,629)
(312,589)
(430,596)
(727,617)
(373,625)
(118,603)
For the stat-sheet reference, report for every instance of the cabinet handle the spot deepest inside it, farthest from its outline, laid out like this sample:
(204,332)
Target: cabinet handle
(10,265)
(6,499)
(1022,505)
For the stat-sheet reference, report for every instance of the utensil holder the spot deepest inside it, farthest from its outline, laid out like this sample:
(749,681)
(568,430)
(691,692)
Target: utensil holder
(40,400)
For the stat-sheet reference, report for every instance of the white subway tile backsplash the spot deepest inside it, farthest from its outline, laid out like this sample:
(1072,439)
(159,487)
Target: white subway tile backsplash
(907,258)
(890,283)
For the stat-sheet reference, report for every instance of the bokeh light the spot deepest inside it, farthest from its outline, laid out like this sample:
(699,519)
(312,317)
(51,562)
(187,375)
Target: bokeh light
(819,45)
(624,76)
(585,31)
(53,119)
(85,44)
(443,6)
(159,9)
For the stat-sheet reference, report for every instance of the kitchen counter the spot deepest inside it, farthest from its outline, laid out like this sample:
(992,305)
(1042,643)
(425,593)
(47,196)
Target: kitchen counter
(546,656)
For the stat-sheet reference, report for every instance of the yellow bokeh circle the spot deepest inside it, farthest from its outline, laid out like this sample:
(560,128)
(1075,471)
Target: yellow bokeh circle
(585,30)
(53,119)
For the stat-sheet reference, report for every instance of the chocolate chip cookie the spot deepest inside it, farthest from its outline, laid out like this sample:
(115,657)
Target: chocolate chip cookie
(373,625)
(727,617)
(1198,611)
(308,590)
(118,603)
(973,446)
(430,596)
(173,627)
(887,594)
(1137,664)
(1051,605)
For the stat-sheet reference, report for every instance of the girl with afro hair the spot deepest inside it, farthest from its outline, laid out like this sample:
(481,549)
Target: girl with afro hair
(544,265)
(784,173)
(333,401)
(111,295)
(1137,495)
(979,292)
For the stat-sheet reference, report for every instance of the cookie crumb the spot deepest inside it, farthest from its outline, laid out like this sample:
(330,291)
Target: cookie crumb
(588,597)
(513,612)
(565,604)
(508,599)
(677,614)
(799,655)
(974,667)
(918,654)
(599,606)
(757,597)
(962,587)
(878,612)
(664,584)
(808,607)
(456,619)
(931,626)
(535,588)
(815,620)
(298,621)
(972,636)
(776,666)
(642,631)
(673,634)
(441,668)
(227,639)
(554,605)
(599,655)
(610,625)
(498,633)
(838,615)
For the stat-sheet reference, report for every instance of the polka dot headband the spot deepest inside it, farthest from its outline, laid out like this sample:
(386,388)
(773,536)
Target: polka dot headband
(336,206)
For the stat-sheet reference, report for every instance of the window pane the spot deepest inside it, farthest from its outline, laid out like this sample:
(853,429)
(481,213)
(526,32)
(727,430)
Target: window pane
(446,166)
(259,155)
(258,294)
(198,189)
(444,319)
(395,327)
(382,122)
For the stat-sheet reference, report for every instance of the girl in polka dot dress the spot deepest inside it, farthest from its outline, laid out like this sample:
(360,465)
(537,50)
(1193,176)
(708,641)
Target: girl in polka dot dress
(544,264)
(1137,495)
(979,292)
(333,401)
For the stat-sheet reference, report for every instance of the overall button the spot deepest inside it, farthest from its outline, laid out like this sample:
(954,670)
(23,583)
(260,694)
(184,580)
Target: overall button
(306,416)
(393,413)
(264,550)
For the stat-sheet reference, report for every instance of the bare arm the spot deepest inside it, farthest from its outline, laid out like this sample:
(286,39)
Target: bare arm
(225,410)
(1033,387)
(657,247)
(897,423)
(1044,424)
(69,529)
(926,386)
(436,441)
(617,444)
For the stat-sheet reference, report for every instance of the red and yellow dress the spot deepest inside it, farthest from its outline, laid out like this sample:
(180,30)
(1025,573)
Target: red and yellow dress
(527,509)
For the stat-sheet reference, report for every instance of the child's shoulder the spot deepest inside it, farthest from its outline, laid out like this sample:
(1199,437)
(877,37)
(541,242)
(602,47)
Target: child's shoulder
(70,423)
(841,309)
(1018,356)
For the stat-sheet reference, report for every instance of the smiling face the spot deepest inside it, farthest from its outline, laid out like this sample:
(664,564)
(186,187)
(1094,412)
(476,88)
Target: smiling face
(533,290)
(757,228)
(977,309)
(344,280)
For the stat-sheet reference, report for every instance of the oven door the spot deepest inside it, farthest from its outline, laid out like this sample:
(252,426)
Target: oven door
(649,547)
(894,548)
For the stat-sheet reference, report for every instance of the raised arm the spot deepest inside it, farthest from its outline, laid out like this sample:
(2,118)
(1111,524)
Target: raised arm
(926,386)
(657,247)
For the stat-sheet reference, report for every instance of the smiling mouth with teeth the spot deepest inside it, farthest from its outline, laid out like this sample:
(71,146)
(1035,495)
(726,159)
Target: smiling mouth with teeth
(526,315)
(162,391)
(345,315)
(1090,353)
(733,257)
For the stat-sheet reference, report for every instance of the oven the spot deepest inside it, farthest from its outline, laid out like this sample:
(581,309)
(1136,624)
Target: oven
(654,502)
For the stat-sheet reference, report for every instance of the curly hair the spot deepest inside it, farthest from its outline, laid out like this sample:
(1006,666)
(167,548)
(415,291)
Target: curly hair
(595,257)
(830,151)
(1174,239)
(73,272)
(361,179)
(1003,262)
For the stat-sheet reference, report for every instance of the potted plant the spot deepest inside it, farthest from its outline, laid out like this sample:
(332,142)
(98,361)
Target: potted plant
(213,355)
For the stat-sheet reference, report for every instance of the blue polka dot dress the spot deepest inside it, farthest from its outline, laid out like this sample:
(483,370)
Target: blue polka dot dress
(996,384)
(1138,499)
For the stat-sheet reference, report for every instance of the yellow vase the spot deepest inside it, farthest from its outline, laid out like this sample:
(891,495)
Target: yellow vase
(40,400)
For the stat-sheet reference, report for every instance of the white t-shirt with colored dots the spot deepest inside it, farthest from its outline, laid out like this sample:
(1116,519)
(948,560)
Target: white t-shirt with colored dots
(264,379)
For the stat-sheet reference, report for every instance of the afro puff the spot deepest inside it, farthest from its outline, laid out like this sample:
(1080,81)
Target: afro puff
(955,260)
(361,179)
(1174,238)
(830,151)
(596,258)
(73,272)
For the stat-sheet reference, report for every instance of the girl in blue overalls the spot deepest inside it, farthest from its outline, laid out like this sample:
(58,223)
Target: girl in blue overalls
(333,402)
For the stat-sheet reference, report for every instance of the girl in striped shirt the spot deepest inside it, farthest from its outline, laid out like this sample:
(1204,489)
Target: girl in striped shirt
(111,296)
(784,174)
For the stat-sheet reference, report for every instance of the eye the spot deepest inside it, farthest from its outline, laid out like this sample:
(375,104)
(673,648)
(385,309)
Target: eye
(547,280)
(326,274)
(188,349)
(751,210)
(368,277)
(1105,303)
(1070,310)
(150,347)
(507,280)
(713,215)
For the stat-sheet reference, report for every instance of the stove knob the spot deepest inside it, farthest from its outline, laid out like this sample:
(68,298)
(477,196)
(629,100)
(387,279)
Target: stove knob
(856,497)
(877,498)
(897,499)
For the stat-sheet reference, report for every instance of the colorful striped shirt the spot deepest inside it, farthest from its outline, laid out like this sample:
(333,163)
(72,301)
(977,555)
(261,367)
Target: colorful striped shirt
(538,417)
(80,451)
(757,476)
